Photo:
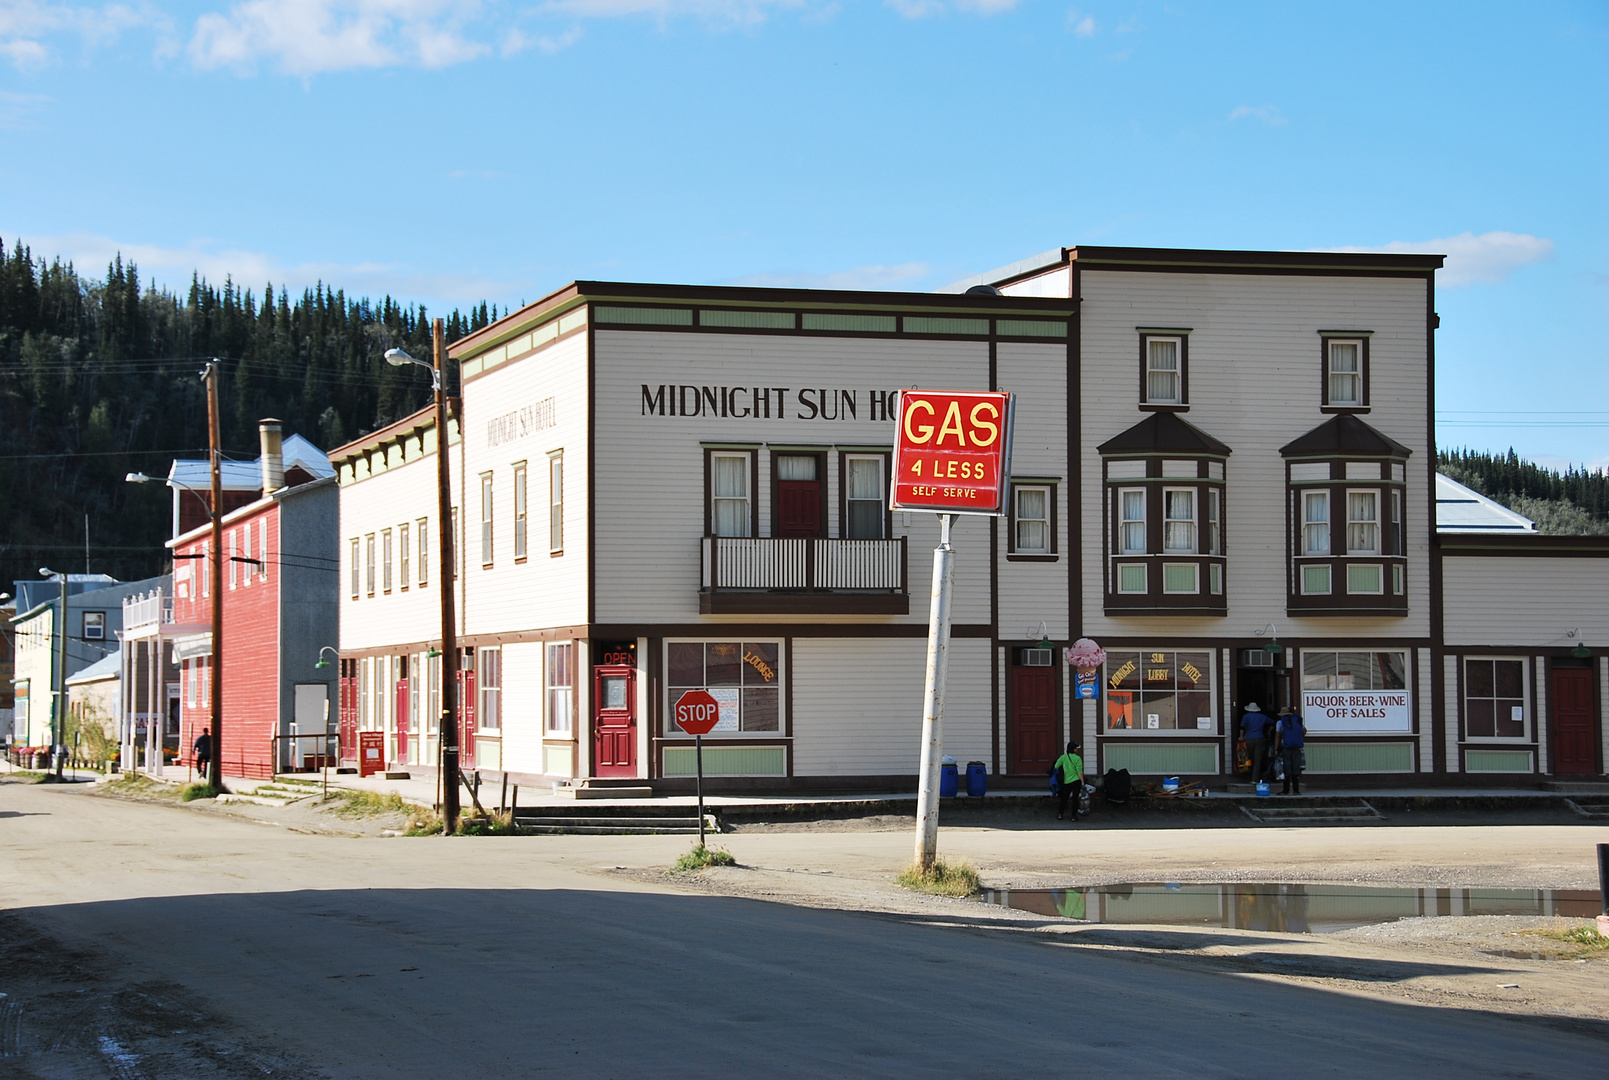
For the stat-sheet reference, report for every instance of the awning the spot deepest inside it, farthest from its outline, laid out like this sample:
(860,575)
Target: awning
(191,646)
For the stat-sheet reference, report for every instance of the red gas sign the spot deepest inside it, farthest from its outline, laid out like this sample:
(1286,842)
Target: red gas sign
(952,453)
(697,712)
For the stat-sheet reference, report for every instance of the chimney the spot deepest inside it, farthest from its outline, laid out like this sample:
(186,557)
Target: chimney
(273,460)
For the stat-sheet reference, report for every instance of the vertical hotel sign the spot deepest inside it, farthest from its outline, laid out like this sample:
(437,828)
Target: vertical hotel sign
(952,453)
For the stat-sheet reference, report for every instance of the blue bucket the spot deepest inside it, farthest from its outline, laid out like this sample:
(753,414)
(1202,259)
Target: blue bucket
(949,781)
(977,779)
(1263,789)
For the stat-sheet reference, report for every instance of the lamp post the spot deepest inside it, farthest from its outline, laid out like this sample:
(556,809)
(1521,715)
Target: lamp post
(58,709)
(448,742)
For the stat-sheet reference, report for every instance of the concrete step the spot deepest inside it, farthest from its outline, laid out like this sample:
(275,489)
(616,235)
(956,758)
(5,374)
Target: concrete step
(1589,807)
(1277,814)
(634,825)
(1578,787)
(621,792)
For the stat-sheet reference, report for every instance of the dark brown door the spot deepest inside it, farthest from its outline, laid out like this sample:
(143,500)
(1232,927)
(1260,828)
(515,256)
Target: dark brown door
(1035,727)
(1570,721)
(799,495)
(402,722)
(614,721)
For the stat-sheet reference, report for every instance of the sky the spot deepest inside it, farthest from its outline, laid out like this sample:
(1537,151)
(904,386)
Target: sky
(453,151)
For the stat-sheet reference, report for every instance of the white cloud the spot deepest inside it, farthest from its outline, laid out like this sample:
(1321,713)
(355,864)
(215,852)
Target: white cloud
(310,37)
(517,41)
(1487,259)
(1078,27)
(859,277)
(27,27)
(1268,114)
(728,12)
(921,9)
(171,267)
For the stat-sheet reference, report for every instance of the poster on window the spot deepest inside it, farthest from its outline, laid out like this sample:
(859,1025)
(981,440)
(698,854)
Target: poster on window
(1356,710)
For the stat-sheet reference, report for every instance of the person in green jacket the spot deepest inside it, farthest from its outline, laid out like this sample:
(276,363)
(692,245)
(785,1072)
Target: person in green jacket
(1071,767)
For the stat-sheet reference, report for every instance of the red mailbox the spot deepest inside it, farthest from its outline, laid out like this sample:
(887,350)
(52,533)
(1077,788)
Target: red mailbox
(371,752)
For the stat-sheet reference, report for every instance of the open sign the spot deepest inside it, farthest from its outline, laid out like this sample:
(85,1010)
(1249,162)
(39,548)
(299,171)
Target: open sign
(952,452)
(696,712)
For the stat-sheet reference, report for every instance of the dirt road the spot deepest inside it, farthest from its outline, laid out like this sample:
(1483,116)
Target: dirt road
(195,944)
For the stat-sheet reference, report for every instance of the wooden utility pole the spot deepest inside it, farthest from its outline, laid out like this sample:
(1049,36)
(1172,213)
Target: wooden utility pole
(448,740)
(216,453)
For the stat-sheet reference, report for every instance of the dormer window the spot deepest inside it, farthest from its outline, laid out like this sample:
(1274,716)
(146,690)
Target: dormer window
(1164,368)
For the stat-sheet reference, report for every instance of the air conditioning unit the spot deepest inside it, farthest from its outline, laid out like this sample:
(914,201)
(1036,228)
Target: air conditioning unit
(1256,658)
(1036,657)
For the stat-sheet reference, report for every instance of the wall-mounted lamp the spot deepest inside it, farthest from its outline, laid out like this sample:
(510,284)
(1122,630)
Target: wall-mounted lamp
(1580,652)
(323,663)
(1273,648)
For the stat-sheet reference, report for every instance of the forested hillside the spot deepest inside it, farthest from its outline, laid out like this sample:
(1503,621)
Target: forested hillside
(1571,503)
(99,378)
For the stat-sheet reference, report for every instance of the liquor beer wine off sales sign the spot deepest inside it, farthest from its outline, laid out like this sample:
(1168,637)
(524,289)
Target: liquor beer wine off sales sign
(952,453)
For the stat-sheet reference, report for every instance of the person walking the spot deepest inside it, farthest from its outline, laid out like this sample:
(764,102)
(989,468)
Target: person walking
(1290,735)
(1254,727)
(1070,767)
(203,749)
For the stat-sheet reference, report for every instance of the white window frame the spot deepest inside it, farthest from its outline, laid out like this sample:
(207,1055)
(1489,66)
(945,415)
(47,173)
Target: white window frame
(1525,701)
(1177,370)
(557,722)
(489,662)
(1117,579)
(1018,519)
(486,493)
(1372,523)
(1380,576)
(556,503)
(1309,524)
(1329,579)
(1355,376)
(404,555)
(373,570)
(521,510)
(262,549)
(385,560)
(1194,497)
(1397,545)
(1123,522)
(1215,534)
(744,502)
(423,525)
(1195,578)
(878,502)
(95,620)
(232,553)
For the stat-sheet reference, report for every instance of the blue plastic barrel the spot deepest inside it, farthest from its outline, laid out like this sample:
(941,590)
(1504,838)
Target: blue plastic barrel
(949,781)
(977,779)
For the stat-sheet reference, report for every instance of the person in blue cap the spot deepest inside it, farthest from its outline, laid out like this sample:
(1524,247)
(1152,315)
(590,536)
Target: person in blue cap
(1255,727)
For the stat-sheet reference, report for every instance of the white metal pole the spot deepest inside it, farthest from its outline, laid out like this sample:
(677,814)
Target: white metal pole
(938,654)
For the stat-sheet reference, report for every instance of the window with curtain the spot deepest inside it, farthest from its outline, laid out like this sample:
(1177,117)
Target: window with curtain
(864,496)
(1215,540)
(1032,520)
(1362,522)
(1315,523)
(1179,520)
(1162,371)
(729,509)
(1346,372)
(559,675)
(1131,521)
(489,685)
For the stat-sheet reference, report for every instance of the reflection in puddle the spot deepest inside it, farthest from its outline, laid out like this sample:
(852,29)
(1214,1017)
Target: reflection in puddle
(1290,909)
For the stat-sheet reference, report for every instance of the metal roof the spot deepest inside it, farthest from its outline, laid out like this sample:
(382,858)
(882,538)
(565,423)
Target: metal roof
(1463,510)
(248,475)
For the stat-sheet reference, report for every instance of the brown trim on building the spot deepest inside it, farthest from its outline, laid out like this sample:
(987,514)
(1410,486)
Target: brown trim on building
(1363,338)
(1054,555)
(726,602)
(754,486)
(707,631)
(824,508)
(787,696)
(1518,545)
(843,491)
(1183,404)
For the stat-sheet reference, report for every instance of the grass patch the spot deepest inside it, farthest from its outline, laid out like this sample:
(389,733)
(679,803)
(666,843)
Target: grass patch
(134,785)
(487,825)
(198,790)
(1579,942)
(942,879)
(353,804)
(702,856)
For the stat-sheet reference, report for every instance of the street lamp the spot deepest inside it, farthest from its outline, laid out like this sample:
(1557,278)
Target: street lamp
(58,712)
(448,744)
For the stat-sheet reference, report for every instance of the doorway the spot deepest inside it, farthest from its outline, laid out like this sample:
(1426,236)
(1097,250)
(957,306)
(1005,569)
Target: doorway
(403,718)
(1570,726)
(801,496)
(614,722)
(1033,716)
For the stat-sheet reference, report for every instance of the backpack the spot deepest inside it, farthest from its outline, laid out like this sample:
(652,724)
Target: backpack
(1118,786)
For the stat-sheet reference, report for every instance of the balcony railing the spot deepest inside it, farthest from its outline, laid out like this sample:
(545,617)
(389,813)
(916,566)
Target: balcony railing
(146,612)
(803,573)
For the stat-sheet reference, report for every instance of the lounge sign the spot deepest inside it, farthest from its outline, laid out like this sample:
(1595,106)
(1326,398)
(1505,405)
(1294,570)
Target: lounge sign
(952,453)
(1356,710)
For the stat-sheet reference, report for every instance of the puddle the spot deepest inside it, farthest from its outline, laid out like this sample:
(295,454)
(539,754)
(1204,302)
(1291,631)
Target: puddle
(1290,909)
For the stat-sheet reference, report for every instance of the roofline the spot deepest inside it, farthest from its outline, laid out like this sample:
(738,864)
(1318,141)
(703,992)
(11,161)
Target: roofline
(249,509)
(1529,543)
(580,292)
(1205,260)
(415,421)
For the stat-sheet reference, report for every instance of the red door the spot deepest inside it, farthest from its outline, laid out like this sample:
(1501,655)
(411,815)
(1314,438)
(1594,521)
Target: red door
(466,718)
(348,724)
(1570,722)
(402,722)
(799,495)
(1034,723)
(614,721)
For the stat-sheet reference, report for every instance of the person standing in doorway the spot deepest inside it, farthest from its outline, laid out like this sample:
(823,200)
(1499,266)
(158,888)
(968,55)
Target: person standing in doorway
(1070,766)
(1254,727)
(1289,737)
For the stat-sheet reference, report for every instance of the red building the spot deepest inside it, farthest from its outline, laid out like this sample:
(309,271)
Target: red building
(279,610)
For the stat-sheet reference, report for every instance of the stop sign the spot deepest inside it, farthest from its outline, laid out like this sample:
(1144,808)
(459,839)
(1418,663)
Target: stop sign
(696,712)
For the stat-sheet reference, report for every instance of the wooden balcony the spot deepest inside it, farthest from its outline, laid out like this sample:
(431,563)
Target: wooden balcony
(752,575)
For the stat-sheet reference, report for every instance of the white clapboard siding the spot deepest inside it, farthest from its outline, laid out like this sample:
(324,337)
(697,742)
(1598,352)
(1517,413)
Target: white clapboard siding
(543,591)
(1031,592)
(522,707)
(1524,601)
(390,499)
(1254,385)
(857,704)
(650,468)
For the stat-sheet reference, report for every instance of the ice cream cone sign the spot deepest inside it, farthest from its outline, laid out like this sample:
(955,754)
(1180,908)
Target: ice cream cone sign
(1086,657)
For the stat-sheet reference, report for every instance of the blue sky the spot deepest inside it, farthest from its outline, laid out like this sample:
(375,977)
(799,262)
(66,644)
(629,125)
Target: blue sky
(449,151)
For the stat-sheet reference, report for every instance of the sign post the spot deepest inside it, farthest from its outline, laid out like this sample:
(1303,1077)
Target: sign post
(696,713)
(952,455)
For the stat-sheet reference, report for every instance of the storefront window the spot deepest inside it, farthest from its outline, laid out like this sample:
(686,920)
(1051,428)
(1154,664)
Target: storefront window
(1159,691)
(1494,699)
(1355,691)
(1354,670)
(744,677)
